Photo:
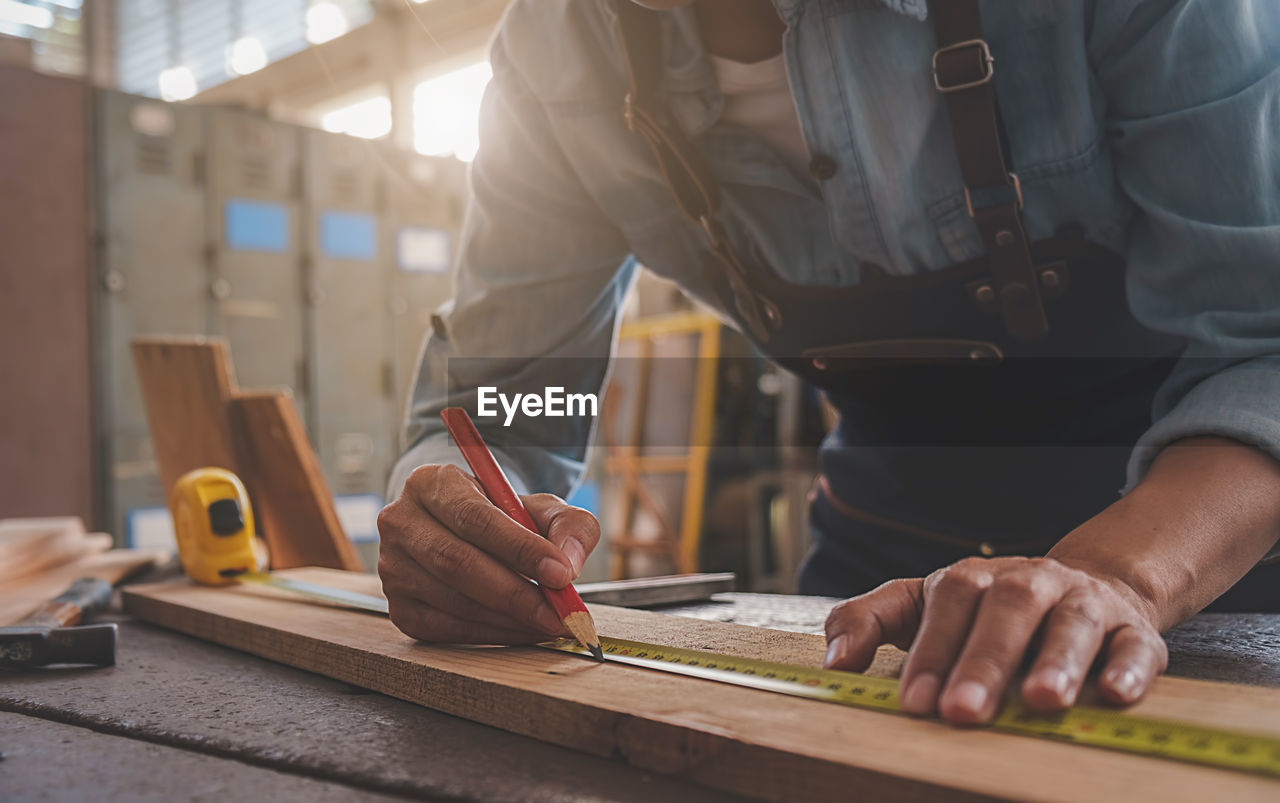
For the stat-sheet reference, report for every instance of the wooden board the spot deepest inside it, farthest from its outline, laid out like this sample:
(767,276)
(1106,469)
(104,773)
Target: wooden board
(294,504)
(187,385)
(20,599)
(742,740)
(198,418)
(30,546)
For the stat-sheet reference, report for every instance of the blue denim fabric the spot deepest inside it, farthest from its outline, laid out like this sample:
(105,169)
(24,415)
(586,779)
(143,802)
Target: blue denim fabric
(1153,124)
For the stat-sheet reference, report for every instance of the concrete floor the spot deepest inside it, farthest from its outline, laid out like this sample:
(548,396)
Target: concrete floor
(183,719)
(91,765)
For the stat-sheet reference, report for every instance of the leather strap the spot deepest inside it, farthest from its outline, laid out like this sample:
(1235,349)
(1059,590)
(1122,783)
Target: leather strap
(963,71)
(686,173)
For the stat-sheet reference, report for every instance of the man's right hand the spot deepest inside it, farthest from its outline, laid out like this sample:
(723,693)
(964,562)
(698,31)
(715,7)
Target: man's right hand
(454,568)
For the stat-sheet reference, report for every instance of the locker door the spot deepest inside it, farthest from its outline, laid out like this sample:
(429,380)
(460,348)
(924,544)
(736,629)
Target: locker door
(152,280)
(350,329)
(255,231)
(424,215)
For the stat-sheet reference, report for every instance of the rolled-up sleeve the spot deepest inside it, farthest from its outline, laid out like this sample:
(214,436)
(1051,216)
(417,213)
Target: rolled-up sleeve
(1193,112)
(541,275)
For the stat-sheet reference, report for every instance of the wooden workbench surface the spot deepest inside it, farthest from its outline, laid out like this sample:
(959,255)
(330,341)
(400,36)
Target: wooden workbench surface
(183,718)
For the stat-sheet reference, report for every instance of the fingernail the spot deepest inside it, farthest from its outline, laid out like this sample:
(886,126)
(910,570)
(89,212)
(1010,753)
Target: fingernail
(1056,681)
(921,694)
(970,696)
(835,650)
(1125,683)
(554,573)
(547,619)
(576,555)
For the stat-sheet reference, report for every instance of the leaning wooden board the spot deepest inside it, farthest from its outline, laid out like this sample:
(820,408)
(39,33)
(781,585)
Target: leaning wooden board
(741,740)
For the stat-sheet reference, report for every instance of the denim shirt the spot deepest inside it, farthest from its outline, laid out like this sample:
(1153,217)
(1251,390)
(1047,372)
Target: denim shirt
(1154,124)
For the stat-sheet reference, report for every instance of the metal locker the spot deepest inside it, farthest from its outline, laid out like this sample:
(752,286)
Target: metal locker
(151,279)
(255,229)
(349,355)
(426,198)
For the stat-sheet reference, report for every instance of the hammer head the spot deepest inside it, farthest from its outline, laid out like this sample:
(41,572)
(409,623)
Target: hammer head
(24,646)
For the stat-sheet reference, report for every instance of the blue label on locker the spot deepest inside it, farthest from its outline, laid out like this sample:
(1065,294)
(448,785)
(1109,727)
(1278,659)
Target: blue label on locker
(256,226)
(348,235)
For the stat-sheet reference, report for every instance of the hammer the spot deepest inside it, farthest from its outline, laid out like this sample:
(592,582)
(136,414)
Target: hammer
(48,637)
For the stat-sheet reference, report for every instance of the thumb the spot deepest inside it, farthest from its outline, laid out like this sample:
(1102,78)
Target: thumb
(574,530)
(856,627)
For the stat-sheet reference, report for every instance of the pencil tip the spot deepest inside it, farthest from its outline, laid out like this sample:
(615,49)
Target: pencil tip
(596,652)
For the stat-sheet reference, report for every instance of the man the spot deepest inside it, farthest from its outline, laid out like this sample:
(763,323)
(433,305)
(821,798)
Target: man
(996,272)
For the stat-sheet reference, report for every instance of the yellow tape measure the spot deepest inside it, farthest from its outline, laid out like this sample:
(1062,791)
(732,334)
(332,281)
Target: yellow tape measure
(1095,727)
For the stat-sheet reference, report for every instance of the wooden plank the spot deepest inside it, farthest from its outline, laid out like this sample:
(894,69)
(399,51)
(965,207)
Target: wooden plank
(294,505)
(29,546)
(742,740)
(187,385)
(20,599)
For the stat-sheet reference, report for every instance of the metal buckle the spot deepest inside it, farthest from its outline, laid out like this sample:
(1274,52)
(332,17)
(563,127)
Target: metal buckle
(629,112)
(987,61)
(1017,186)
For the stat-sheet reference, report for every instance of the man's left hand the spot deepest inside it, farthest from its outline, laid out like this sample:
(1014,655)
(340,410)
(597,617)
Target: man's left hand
(968,627)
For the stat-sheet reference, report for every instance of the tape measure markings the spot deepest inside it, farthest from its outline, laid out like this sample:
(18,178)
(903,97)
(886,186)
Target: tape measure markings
(1083,725)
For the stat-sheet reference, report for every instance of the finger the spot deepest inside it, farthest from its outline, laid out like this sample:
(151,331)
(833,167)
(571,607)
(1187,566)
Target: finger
(458,503)
(1135,656)
(425,623)
(574,530)
(951,600)
(1073,635)
(474,572)
(856,627)
(404,577)
(1008,616)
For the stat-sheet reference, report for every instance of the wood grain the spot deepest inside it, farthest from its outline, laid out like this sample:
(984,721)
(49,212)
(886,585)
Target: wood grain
(295,507)
(187,385)
(745,741)
(23,597)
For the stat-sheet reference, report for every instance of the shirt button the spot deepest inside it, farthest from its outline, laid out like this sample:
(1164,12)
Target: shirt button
(822,167)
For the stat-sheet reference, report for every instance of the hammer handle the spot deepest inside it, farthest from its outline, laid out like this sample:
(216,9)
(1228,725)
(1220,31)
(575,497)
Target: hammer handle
(83,597)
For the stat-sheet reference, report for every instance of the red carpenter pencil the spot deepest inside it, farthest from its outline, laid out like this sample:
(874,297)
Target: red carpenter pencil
(568,605)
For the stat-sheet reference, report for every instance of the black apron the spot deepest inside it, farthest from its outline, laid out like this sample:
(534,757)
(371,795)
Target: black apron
(985,409)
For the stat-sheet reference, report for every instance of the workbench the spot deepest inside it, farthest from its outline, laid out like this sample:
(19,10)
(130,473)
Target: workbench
(179,718)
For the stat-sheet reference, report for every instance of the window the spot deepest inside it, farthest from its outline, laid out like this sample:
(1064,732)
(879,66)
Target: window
(206,42)
(446,112)
(370,118)
(53,26)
